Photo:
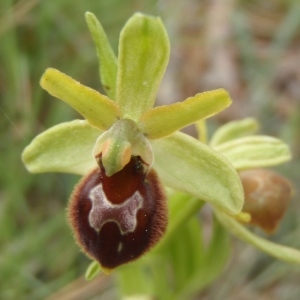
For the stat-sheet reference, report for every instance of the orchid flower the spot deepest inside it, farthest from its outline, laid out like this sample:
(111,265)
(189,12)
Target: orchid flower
(250,154)
(129,151)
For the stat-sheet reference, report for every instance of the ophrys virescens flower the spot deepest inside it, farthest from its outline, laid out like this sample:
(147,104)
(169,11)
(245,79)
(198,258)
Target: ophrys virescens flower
(127,150)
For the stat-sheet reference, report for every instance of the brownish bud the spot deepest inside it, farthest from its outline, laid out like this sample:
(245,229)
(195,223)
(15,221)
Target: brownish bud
(116,219)
(267,195)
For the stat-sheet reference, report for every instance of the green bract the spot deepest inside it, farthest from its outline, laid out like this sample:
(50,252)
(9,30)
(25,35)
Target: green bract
(120,125)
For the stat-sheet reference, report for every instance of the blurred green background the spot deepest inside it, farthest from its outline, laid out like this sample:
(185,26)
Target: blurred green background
(251,48)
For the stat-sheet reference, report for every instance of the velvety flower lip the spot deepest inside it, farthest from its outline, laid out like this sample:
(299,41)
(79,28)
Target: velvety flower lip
(132,80)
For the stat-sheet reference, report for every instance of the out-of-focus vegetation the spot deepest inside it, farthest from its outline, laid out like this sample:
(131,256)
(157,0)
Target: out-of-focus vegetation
(251,48)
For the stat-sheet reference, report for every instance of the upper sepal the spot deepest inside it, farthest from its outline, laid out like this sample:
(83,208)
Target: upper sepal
(143,57)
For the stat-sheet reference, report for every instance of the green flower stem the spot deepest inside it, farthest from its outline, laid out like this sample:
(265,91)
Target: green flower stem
(281,252)
(99,110)
(202,131)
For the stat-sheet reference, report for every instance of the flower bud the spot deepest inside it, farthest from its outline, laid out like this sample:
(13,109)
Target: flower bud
(118,218)
(267,195)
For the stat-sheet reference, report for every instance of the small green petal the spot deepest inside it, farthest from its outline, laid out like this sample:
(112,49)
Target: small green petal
(279,251)
(234,130)
(143,58)
(255,151)
(187,165)
(92,271)
(164,120)
(99,110)
(67,147)
(108,64)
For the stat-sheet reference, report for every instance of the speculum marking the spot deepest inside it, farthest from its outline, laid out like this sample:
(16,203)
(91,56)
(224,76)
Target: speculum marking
(103,211)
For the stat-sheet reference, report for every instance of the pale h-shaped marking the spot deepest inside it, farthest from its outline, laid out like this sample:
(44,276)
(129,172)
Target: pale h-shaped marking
(104,211)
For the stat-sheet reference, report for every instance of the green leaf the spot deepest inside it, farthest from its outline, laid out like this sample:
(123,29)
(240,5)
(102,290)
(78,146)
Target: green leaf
(164,120)
(92,271)
(255,151)
(177,261)
(143,57)
(234,130)
(215,260)
(178,239)
(279,251)
(133,280)
(186,252)
(210,263)
(192,263)
(66,147)
(181,208)
(185,164)
(108,64)
(99,110)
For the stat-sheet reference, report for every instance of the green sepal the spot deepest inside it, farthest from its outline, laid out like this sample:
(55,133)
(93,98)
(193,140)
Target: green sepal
(281,252)
(143,58)
(164,120)
(185,164)
(97,109)
(67,148)
(234,130)
(108,64)
(255,151)
(92,271)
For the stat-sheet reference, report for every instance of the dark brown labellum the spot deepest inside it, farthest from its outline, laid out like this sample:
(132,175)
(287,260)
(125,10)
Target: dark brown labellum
(118,218)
